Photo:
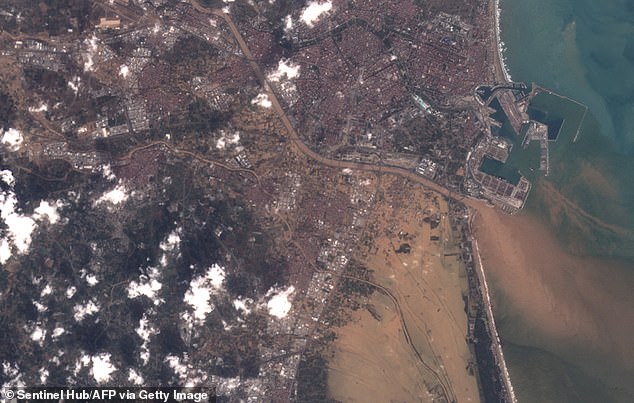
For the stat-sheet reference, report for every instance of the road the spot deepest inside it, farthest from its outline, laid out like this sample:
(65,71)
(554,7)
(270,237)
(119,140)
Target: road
(292,133)
(300,146)
(443,379)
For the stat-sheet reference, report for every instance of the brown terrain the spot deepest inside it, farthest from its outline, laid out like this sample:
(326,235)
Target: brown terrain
(409,343)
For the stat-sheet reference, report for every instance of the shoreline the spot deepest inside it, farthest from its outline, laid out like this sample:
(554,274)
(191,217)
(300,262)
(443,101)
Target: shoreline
(529,274)
(501,73)
(500,69)
(496,343)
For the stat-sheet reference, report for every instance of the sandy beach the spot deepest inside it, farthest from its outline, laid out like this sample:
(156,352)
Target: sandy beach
(500,71)
(568,304)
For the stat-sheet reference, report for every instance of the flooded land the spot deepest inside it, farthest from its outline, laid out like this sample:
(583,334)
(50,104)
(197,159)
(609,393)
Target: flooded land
(408,340)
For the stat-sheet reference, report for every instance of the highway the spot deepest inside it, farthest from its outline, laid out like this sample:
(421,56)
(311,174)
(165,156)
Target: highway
(292,133)
(301,147)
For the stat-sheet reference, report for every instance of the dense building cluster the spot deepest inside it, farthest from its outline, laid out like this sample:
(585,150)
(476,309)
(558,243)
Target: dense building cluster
(180,237)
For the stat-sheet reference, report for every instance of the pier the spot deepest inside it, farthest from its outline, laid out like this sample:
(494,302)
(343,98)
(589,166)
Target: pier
(516,116)
(508,196)
(537,89)
(536,131)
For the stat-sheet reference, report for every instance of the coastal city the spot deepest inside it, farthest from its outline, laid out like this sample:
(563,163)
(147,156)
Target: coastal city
(218,193)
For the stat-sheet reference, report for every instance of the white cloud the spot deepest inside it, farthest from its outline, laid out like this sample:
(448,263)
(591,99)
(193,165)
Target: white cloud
(7,177)
(107,173)
(39,306)
(42,108)
(81,311)
(147,285)
(134,377)
(221,143)
(198,296)
(124,71)
(88,63)
(70,291)
(80,363)
(5,250)
(115,196)
(262,100)
(91,279)
(150,284)
(58,331)
(38,335)
(242,305)
(175,363)
(46,291)
(43,373)
(216,276)
(102,367)
(189,375)
(5,246)
(145,330)
(172,241)
(285,69)
(19,227)
(288,23)
(12,375)
(74,85)
(12,138)
(47,211)
(225,139)
(279,304)
(88,57)
(313,12)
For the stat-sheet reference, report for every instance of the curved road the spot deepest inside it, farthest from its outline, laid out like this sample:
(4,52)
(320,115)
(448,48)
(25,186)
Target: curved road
(307,151)
(443,379)
(292,133)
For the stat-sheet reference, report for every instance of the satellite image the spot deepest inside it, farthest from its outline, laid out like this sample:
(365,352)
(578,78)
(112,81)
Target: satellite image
(318,200)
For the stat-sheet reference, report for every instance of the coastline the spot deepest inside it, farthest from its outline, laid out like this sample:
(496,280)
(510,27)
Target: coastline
(500,69)
(493,327)
(501,74)
(557,302)
(488,308)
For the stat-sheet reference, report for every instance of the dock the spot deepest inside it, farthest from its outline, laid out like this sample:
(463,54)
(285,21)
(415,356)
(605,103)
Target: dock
(536,131)
(515,115)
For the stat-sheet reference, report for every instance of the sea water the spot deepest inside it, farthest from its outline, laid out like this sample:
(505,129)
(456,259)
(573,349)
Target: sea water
(582,49)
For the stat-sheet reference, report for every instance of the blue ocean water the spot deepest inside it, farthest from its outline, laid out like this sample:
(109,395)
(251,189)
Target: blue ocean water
(582,49)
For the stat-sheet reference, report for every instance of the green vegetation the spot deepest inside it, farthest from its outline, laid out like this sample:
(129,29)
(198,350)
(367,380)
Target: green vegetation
(312,379)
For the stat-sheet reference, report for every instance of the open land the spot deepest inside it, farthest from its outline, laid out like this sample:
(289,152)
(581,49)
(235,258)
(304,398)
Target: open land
(426,285)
